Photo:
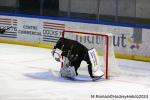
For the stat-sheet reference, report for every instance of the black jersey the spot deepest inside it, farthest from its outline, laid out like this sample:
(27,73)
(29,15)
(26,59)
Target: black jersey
(75,52)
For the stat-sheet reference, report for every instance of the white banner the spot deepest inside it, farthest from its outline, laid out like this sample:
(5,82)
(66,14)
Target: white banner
(29,30)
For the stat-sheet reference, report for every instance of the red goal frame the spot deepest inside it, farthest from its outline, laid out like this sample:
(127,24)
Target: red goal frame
(96,34)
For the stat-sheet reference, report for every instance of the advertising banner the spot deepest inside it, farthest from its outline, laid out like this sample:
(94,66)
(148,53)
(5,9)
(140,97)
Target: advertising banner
(52,30)
(9,24)
(48,31)
(29,30)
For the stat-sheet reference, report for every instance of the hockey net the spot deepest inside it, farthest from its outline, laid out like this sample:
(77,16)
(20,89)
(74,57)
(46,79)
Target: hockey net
(103,44)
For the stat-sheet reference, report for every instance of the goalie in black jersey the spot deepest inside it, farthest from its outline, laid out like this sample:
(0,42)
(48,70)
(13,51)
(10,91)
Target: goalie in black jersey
(74,53)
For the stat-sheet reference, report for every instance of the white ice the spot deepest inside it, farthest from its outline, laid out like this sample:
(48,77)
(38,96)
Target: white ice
(25,74)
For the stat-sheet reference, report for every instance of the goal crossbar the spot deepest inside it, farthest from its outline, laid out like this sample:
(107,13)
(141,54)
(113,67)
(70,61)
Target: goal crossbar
(90,33)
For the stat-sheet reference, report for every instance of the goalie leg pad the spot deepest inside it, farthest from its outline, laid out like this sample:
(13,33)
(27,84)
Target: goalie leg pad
(68,71)
(96,69)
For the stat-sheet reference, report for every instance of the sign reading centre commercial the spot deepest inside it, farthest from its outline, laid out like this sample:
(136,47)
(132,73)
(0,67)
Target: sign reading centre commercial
(29,30)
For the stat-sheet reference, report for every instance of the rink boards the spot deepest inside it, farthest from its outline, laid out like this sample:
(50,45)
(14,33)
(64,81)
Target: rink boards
(44,32)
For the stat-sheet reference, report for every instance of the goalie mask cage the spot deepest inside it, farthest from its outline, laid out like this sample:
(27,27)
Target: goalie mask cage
(103,44)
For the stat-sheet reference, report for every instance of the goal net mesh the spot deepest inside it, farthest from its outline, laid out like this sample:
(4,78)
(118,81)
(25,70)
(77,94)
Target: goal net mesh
(103,44)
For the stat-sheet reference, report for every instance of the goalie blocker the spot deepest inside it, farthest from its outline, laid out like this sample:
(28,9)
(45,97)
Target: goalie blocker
(74,53)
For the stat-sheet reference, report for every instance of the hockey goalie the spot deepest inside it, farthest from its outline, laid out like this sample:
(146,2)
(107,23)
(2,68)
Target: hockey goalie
(73,53)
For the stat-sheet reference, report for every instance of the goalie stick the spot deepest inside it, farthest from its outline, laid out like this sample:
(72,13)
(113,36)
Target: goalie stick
(83,79)
(79,78)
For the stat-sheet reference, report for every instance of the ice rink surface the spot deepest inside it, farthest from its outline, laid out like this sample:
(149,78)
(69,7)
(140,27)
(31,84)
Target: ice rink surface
(26,74)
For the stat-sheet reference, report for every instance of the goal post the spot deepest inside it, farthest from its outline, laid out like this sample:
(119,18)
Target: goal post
(102,42)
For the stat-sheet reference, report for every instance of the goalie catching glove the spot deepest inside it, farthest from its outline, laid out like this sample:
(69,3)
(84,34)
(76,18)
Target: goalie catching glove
(57,55)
